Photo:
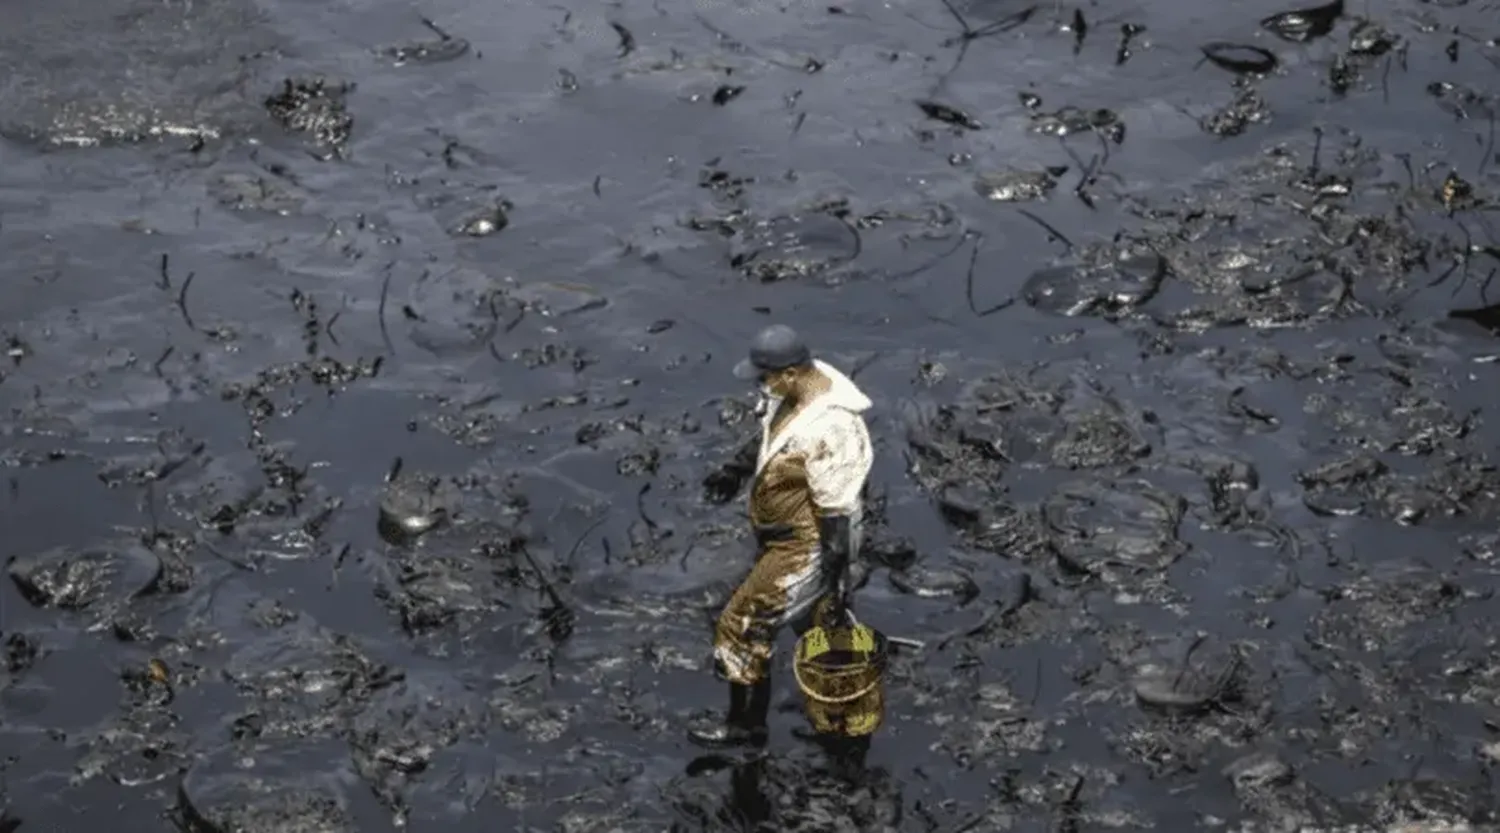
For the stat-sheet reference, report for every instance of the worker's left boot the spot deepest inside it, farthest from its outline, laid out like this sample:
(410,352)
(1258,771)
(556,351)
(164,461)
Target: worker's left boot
(745,722)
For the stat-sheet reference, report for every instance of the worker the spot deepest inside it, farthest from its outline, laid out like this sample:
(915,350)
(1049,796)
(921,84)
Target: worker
(806,501)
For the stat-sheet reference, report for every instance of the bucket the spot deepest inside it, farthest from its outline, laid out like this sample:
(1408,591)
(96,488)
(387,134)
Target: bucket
(840,671)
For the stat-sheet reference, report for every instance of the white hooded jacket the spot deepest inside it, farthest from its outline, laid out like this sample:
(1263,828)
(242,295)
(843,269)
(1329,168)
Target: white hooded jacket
(830,432)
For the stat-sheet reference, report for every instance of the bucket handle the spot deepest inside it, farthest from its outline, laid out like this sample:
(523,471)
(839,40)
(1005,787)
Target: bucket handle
(831,701)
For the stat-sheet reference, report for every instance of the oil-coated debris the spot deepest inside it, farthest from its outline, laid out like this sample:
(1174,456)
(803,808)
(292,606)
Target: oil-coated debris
(316,107)
(1241,59)
(948,114)
(1017,186)
(1303,25)
(443,48)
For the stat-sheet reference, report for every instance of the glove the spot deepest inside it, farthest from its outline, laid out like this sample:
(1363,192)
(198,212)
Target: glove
(835,539)
(725,482)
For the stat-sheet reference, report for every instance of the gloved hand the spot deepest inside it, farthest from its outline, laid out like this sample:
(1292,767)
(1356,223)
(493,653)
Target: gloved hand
(835,538)
(725,482)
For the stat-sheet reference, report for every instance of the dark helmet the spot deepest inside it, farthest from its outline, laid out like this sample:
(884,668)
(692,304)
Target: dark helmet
(775,348)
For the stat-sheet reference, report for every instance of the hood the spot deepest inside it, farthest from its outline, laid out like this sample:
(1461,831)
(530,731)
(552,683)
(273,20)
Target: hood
(842,392)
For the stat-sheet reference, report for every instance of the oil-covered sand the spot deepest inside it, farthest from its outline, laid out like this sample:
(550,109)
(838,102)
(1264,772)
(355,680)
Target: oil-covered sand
(370,441)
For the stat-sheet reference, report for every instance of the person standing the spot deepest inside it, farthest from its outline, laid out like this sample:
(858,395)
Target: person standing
(806,504)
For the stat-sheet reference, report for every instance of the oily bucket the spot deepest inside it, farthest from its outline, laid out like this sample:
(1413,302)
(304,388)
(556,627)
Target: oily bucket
(841,672)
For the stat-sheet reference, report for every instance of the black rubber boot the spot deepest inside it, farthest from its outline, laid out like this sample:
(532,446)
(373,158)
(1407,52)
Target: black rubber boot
(744,725)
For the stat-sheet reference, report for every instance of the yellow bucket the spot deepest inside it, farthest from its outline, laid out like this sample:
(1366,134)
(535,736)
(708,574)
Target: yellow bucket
(840,671)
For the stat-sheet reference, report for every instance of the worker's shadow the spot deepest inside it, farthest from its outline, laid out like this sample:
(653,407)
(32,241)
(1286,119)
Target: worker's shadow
(760,782)
(747,802)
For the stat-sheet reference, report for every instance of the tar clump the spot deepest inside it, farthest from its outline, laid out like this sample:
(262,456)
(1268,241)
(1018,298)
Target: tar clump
(315,107)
